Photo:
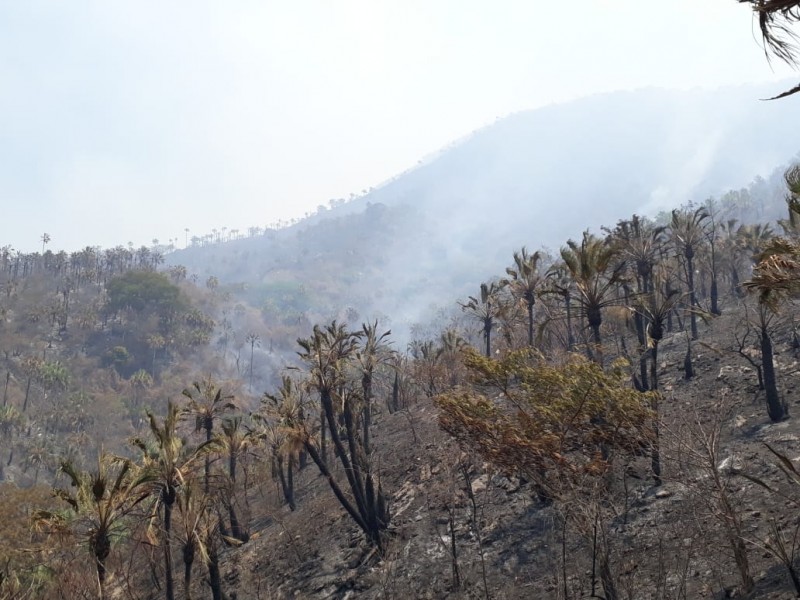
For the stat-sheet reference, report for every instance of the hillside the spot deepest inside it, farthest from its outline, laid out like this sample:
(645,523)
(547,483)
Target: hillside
(666,542)
(535,178)
(616,419)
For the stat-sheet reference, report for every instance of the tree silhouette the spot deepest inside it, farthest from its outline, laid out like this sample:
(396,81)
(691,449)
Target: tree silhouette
(99,502)
(524,281)
(255,342)
(207,403)
(485,309)
(687,232)
(165,466)
(326,354)
(596,271)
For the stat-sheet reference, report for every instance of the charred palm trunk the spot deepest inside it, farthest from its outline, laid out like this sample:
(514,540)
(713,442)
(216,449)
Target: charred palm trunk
(27,394)
(214,577)
(337,491)
(101,548)
(595,319)
(394,404)
(714,295)
(366,419)
(366,511)
(736,289)
(639,323)
(487,334)
(656,334)
(530,322)
(168,499)
(237,530)
(775,408)
(689,254)
(188,562)
(323,442)
(287,481)
(655,459)
(570,336)
(208,426)
(290,484)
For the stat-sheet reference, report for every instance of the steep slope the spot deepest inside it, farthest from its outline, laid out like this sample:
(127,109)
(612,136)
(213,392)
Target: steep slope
(535,178)
(666,542)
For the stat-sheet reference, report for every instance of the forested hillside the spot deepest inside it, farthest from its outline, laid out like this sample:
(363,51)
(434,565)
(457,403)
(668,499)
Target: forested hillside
(495,385)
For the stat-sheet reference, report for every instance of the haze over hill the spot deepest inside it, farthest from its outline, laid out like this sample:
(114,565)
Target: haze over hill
(535,178)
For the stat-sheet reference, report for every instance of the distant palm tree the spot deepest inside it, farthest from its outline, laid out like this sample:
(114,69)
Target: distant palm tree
(688,232)
(207,403)
(371,354)
(485,308)
(596,270)
(233,441)
(560,283)
(655,306)
(775,277)
(282,423)
(524,282)
(255,342)
(640,243)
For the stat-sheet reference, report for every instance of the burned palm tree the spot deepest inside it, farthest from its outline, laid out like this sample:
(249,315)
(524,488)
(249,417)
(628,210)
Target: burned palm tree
(207,403)
(640,243)
(655,306)
(166,465)
(524,280)
(485,308)
(595,270)
(688,232)
(98,503)
(775,277)
(327,354)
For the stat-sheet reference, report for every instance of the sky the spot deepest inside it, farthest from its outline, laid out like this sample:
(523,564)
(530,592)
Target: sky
(133,121)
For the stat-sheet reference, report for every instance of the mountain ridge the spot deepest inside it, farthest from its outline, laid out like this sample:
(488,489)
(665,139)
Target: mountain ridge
(503,186)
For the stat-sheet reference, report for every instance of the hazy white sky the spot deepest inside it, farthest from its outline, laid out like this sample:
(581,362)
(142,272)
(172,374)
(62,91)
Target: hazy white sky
(128,121)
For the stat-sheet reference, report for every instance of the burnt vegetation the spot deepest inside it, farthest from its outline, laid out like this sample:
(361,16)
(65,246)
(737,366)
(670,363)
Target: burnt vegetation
(614,420)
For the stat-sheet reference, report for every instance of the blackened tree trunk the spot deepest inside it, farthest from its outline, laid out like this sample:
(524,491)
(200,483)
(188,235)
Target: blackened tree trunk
(169,499)
(530,323)
(487,335)
(715,297)
(323,434)
(188,562)
(214,577)
(570,336)
(639,323)
(366,419)
(595,319)
(237,530)
(287,481)
(689,254)
(775,408)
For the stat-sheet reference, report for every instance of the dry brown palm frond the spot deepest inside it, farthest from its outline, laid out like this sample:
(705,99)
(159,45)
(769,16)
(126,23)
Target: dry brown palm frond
(775,277)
